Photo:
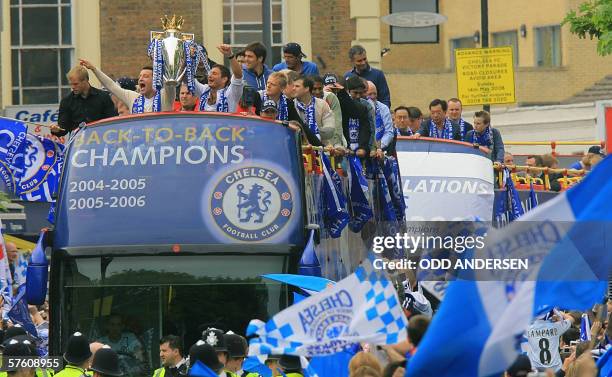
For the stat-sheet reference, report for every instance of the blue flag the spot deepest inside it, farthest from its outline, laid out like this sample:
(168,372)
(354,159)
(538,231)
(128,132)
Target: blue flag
(604,364)
(568,269)
(335,215)
(387,211)
(363,307)
(42,162)
(309,263)
(199,369)
(12,150)
(533,197)
(19,312)
(514,201)
(358,188)
(585,328)
(394,182)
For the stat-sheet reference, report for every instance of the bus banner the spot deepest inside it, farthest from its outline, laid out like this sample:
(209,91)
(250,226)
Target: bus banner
(181,179)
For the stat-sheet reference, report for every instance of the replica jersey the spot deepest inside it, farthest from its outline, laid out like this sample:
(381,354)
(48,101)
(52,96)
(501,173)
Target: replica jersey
(543,337)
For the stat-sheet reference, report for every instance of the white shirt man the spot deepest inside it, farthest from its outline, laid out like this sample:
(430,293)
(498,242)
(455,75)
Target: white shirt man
(145,89)
(217,95)
(543,338)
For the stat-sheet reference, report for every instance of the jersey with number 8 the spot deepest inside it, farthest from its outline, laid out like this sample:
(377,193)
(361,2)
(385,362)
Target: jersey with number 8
(543,336)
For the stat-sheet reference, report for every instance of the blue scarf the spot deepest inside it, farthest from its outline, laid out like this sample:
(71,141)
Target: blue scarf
(222,105)
(283,112)
(380,127)
(192,62)
(155,52)
(446,133)
(399,133)
(462,128)
(353,126)
(309,113)
(138,105)
(485,139)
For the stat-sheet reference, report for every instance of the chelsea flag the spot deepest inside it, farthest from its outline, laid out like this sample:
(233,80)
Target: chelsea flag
(363,307)
(478,329)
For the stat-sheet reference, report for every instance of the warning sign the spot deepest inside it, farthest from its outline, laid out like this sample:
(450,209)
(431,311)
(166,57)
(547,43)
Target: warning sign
(485,75)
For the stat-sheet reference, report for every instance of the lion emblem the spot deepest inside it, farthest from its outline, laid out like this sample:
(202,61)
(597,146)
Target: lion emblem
(254,203)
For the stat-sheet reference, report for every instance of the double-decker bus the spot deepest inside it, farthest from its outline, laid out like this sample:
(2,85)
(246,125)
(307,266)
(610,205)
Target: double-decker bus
(164,224)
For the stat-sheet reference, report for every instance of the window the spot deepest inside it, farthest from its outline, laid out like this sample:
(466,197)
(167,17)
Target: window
(507,38)
(41,50)
(242,24)
(465,42)
(548,46)
(411,34)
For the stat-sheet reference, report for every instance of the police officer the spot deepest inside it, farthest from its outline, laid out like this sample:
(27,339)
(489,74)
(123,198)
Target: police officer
(17,333)
(106,363)
(205,354)
(171,356)
(236,351)
(215,338)
(291,366)
(18,348)
(77,356)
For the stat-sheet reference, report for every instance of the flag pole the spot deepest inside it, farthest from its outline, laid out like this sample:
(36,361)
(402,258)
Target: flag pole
(26,122)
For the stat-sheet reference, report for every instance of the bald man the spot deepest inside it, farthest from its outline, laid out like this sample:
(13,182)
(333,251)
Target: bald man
(13,261)
(384,124)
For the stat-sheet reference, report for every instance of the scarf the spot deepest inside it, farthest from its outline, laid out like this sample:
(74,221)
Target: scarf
(353,126)
(222,105)
(462,128)
(283,112)
(380,127)
(485,139)
(309,114)
(446,133)
(138,105)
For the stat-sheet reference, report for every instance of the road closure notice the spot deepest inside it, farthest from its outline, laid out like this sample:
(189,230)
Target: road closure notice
(485,75)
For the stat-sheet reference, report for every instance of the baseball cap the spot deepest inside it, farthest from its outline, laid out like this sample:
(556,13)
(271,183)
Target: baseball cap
(596,149)
(330,79)
(269,105)
(294,49)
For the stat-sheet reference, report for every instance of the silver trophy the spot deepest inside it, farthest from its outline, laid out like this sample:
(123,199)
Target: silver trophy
(172,49)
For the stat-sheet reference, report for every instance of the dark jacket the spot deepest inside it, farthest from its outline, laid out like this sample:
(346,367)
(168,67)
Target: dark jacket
(424,130)
(352,109)
(497,149)
(74,109)
(467,128)
(378,78)
(293,115)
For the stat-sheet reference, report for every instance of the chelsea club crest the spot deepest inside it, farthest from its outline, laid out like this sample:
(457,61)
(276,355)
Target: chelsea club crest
(251,204)
(37,162)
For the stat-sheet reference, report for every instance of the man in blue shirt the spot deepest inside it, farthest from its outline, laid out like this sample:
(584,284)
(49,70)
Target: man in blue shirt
(292,53)
(254,71)
(384,131)
(361,68)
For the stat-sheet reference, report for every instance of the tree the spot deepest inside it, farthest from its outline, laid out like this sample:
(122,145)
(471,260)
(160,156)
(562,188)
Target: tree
(594,20)
(4,200)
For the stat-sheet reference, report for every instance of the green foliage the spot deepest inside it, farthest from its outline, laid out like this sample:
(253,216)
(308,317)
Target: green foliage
(593,19)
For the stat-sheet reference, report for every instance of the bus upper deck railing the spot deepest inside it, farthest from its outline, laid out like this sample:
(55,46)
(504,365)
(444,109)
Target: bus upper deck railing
(553,144)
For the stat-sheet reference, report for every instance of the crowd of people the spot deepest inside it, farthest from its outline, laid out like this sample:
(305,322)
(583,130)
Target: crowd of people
(349,113)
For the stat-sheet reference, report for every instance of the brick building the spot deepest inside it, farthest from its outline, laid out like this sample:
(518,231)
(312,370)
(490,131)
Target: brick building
(41,41)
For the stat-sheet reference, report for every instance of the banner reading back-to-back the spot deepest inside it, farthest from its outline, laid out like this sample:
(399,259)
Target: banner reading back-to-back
(185,179)
(445,181)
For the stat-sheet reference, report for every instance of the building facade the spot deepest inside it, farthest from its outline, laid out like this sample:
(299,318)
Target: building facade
(40,40)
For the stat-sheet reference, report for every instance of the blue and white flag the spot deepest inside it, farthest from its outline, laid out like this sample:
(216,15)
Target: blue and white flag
(335,215)
(585,328)
(309,264)
(358,188)
(566,241)
(12,150)
(604,364)
(363,307)
(514,201)
(394,183)
(19,312)
(42,163)
(387,210)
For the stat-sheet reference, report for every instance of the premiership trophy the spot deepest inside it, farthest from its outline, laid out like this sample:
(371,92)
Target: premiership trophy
(173,52)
